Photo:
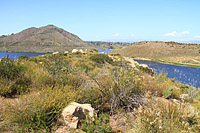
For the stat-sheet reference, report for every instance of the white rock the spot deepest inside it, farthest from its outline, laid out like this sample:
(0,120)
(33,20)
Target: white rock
(55,53)
(74,112)
(66,52)
(143,65)
(74,50)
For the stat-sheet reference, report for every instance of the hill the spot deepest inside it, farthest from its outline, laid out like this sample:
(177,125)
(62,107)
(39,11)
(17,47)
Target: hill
(171,52)
(44,39)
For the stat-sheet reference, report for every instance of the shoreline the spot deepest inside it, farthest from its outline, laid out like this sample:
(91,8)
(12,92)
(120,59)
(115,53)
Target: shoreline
(172,63)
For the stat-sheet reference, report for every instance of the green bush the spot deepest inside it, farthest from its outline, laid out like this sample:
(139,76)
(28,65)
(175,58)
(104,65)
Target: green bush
(9,70)
(101,58)
(12,78)
(168,93)
(99,125)
(40,110)
(17,87)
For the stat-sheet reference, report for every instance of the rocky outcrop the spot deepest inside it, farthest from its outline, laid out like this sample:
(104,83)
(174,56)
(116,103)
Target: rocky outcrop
(74,112)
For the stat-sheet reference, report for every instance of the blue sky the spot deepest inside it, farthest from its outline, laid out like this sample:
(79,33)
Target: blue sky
(107,20)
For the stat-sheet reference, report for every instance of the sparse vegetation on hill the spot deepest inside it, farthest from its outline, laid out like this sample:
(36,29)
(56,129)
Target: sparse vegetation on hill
(49,39)
(148,102)
(169,52)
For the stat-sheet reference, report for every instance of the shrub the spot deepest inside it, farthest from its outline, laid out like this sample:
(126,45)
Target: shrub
(166,117)
(168,93)
(12,78)
(17,87)
(101,58)
(100,124)
(9,70)
(39,110)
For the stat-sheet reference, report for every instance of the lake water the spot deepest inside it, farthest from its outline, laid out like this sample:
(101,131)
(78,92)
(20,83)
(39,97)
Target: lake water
(16,55)
(105,51)
(184,74)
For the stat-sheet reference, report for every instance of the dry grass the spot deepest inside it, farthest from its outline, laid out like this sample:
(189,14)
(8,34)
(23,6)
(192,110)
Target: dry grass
(168,52)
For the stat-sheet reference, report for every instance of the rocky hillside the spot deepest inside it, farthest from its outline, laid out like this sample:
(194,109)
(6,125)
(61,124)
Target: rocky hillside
(165,51)
(44,39)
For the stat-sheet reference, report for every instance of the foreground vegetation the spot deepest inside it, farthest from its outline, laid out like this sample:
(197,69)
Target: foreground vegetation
(35,90)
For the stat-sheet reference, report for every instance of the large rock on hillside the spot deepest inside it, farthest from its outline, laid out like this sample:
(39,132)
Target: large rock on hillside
(74,112)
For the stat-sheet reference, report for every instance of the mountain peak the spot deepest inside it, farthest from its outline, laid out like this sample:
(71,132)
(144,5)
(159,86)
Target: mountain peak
(47,37)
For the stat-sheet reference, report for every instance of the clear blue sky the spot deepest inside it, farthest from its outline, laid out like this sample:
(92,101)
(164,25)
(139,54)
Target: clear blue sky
(107,20)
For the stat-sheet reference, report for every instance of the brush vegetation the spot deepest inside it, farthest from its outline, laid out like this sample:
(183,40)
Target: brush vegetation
(35,90)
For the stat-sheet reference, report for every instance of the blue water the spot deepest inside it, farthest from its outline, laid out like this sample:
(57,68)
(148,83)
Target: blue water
(184,74)
(105,51)
(16,55)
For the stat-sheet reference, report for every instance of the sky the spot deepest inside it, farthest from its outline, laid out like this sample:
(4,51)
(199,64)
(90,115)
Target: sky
(107,20)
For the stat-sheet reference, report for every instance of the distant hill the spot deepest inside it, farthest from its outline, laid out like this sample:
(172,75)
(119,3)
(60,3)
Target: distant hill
(44,39)
(166,51)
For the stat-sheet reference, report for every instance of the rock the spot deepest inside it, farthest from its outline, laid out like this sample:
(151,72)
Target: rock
(66,52)
(143,65)
(74,50)
(74,112)
(81,51)
(184,97)
(55,53)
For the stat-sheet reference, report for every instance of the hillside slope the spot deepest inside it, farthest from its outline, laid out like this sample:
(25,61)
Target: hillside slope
(165,51)
(44,39)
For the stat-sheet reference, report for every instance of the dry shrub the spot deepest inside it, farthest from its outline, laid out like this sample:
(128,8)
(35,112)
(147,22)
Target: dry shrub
(39,77)
(157,84)
(39,110)
(166,117)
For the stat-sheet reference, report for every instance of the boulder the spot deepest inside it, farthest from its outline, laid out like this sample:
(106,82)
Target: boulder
(74,112)
(74,50)
(66,52)
(55,52)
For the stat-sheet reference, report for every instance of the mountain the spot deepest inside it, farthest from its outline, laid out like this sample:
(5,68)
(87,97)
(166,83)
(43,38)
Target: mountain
(171,52)
(44,39)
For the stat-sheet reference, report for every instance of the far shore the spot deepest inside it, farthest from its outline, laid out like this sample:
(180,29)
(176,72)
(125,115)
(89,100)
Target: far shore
(166,62)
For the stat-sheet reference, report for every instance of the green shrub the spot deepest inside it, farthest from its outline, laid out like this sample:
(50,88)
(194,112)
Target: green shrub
(9,70)
(23,58)
(39,110)
(101,58)
(168,93)
(17,87)
(12,78)
(100,124)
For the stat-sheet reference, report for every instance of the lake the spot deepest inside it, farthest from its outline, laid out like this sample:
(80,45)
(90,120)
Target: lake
(184,74)
(105,51)
(16,55)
